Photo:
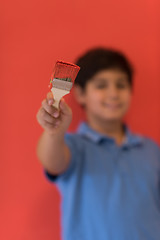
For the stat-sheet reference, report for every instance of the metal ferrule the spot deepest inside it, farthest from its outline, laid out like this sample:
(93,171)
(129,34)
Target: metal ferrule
(61,84)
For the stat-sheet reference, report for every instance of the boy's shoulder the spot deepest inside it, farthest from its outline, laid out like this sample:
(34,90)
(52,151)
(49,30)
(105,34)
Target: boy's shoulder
(150,142)
(85,133)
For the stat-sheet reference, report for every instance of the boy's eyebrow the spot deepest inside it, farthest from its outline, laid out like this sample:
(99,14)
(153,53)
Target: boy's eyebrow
(99,78)
(124,79)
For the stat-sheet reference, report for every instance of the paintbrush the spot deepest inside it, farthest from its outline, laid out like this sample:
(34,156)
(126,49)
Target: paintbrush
(62,79)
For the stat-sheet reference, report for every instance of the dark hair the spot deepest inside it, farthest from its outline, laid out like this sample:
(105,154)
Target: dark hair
(98,59)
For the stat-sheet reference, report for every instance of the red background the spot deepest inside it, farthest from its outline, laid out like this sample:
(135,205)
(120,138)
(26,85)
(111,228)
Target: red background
(33,35)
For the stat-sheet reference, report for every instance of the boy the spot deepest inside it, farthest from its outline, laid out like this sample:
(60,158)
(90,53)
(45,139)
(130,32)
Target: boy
(108,177)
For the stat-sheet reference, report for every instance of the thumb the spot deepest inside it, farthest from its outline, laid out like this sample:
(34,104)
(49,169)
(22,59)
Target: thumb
(65,109)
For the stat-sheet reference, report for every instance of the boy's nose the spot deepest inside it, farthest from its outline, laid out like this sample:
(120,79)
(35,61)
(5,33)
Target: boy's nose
(113,92)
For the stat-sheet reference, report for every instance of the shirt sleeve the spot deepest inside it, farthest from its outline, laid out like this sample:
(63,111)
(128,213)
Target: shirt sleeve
(71,143)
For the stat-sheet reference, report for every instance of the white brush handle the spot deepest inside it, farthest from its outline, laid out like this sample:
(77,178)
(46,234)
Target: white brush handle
(58,94)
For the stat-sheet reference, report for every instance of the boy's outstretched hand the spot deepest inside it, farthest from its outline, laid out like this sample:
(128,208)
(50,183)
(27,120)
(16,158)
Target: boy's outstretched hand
(53,120)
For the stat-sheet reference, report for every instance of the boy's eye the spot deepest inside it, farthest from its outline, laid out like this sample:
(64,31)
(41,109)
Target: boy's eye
(104,85)
(121,85)
(101,85)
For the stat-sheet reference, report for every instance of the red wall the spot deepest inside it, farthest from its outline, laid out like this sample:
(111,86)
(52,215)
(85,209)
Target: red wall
(33,35)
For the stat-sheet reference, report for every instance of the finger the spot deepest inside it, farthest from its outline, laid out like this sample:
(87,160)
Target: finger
(47,125)
(50,98)
(50,109)
(47,117)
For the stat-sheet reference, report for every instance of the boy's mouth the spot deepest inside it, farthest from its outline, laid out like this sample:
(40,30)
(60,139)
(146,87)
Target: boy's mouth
(113,106)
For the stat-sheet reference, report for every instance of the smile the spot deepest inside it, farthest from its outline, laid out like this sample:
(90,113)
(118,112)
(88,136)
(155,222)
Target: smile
(111,106)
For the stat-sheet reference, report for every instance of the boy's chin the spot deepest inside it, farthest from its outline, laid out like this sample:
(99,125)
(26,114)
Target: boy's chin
(113,118)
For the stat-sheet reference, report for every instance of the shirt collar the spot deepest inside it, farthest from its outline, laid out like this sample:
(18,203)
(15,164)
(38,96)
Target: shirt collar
(131,139)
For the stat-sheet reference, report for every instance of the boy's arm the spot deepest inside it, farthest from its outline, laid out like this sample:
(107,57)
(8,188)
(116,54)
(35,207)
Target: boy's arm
(52,151)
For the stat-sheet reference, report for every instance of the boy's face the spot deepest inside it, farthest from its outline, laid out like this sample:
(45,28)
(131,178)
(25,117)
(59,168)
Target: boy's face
(107,95)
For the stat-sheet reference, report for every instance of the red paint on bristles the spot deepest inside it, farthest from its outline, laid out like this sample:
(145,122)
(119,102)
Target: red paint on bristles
(65,70)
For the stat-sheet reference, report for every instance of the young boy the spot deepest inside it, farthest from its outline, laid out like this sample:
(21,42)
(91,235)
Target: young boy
(108,177)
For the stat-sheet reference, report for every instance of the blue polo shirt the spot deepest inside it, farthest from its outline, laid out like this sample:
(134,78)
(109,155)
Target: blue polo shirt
(110,192)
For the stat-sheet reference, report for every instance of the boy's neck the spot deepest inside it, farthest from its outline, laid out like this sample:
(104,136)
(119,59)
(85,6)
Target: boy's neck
(109,128)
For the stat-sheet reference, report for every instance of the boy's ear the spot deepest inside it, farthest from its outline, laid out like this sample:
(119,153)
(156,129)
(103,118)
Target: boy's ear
(79,94)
